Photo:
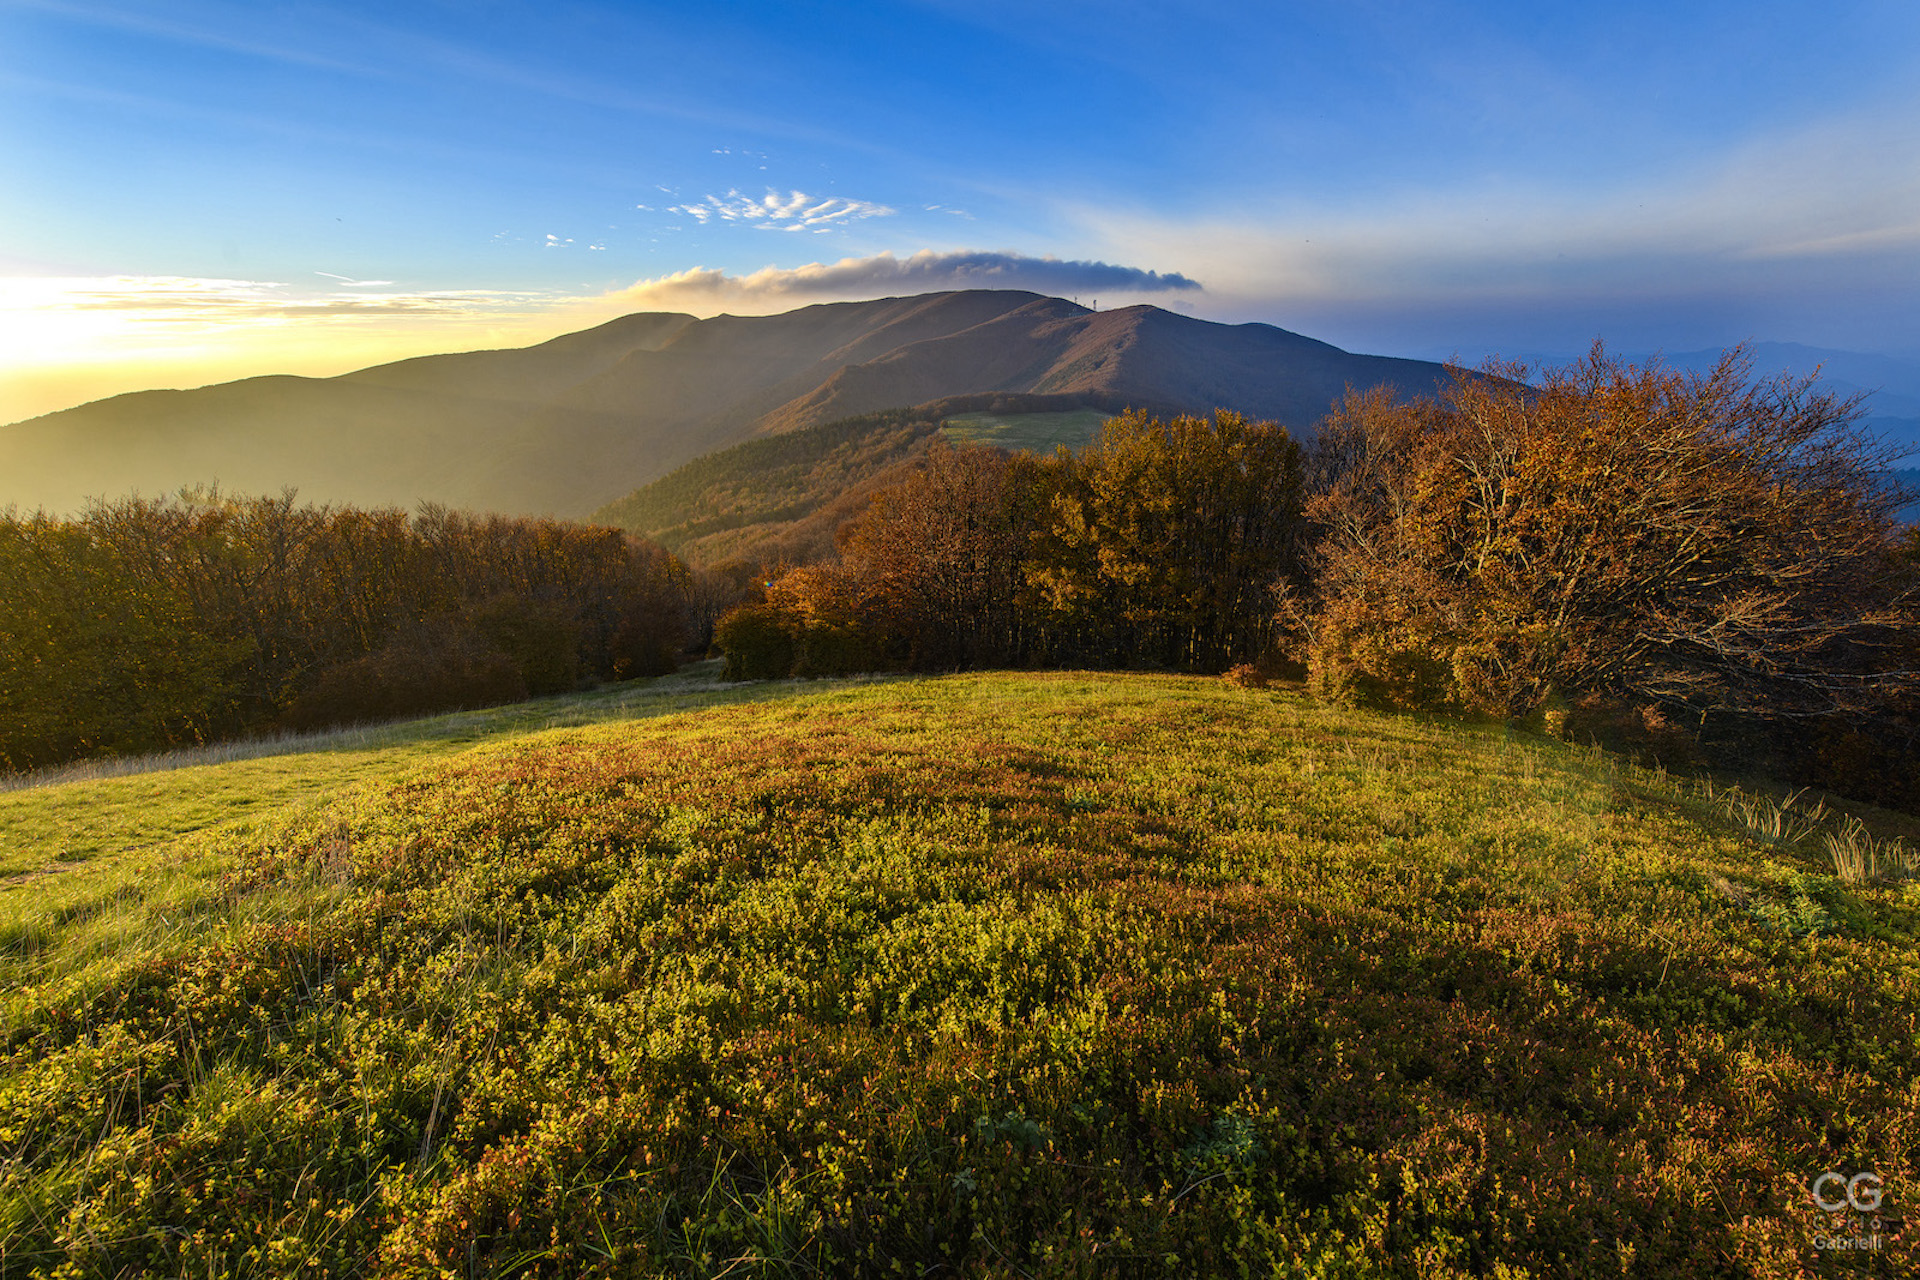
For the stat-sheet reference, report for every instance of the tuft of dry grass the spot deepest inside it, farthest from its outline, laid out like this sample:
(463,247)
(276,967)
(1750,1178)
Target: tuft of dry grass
(1861,858)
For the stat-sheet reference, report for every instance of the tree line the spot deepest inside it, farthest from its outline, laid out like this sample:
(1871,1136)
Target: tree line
(145,624)
(1690,566)
(1159,544)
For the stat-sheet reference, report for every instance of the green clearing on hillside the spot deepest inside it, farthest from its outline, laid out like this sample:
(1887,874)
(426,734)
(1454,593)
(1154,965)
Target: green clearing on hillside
(1040,432)
(754,497)
(985,975)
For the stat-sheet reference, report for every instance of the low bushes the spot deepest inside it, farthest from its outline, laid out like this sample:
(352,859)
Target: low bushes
(983,976)
(442,664)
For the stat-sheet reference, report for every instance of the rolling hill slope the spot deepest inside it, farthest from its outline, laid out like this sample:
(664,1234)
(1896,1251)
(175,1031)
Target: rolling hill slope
(574,423)
(775,497)
(784,497)
(996,974)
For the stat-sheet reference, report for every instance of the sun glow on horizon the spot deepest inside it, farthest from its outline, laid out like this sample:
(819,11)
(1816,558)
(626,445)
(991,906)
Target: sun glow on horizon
(68,340)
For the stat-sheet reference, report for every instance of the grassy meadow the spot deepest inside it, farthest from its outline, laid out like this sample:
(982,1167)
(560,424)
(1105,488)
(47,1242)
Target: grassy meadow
(990,975)
(1040,432)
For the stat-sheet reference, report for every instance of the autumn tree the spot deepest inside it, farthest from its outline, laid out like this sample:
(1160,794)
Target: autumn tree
(1695,542)
(148,623)
(1169,543)
(940,558)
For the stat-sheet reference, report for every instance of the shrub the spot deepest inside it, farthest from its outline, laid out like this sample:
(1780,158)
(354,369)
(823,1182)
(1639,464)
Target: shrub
(833,619)
(442,664)
(758,641)
(1385,654)
(1639,534)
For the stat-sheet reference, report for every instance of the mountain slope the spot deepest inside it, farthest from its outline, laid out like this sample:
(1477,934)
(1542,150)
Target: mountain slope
(775,498)
(570,424)
(1140,355)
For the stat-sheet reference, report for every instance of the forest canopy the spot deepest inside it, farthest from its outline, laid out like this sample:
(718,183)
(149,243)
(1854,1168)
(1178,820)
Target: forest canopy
(147,624)
(1679,563)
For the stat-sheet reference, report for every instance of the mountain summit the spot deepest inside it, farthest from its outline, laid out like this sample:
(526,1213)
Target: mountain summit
(569,424)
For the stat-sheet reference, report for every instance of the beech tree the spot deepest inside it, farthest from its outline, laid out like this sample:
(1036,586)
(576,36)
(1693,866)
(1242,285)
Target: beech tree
(151,623)
(1170,542)
(1692,541)
(940,558)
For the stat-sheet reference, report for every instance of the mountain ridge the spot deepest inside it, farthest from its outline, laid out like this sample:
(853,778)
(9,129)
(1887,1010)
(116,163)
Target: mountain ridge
(571,424)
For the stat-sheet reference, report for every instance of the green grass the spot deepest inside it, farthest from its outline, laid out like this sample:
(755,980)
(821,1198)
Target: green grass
(1040,432)
(78,812)
(986,975)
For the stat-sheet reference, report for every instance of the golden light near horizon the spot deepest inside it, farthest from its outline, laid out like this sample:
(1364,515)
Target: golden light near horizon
(69,340)
(65,340)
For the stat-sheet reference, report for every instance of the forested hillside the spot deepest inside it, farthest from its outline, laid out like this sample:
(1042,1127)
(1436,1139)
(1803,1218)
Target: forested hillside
(150,624)
(778,497)
(782,499)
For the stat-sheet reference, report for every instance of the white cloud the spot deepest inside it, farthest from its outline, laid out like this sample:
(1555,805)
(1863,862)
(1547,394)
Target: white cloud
(351,283)
(706,290)
(794,211)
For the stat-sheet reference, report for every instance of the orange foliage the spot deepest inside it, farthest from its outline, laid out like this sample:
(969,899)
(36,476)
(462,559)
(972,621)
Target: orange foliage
(1697,542)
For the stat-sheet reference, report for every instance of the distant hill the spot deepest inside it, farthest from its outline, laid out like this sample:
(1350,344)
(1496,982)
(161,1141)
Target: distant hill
(1909,479)
(569,425)
(776,497)
(1889,385)
(783,497)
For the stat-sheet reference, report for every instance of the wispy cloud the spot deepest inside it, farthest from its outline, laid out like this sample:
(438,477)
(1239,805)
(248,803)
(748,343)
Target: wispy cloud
(206,37)
(215,301)
(703,289)
(794,211)
(351,283)
(1831,207)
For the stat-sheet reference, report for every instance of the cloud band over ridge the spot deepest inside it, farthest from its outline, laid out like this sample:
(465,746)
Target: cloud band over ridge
(708,289)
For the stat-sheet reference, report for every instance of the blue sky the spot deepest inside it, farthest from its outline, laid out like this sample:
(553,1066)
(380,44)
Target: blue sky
(198,189)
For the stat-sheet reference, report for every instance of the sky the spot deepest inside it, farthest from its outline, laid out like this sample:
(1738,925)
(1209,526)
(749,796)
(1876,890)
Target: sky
(195,190)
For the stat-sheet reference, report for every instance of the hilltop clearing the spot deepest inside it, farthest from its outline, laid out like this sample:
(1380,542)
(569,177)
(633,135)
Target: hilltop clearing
(1000,974)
